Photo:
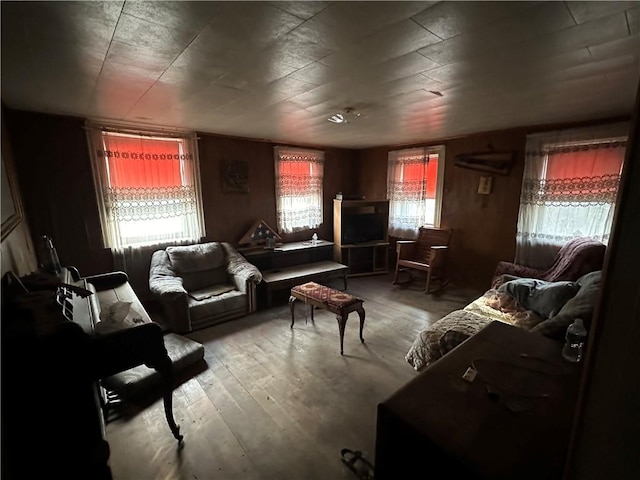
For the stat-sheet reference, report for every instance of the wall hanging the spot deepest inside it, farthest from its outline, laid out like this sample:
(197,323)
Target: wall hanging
(493,162)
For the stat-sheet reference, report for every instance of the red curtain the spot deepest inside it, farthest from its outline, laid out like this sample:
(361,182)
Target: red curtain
(417,172)
(598,162)
(139,162)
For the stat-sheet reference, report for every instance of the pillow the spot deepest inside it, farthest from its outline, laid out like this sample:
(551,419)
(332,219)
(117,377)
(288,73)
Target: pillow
(196,258)
(580,306)
(589,279)
(544,298)
(117,316)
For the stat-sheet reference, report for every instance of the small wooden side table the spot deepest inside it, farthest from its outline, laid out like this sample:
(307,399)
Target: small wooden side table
(339,303)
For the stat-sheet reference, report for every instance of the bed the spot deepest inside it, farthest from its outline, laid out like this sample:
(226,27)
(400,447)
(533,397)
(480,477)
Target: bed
(547,308)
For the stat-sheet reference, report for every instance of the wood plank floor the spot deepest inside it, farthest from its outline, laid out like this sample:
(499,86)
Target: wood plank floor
(276,403)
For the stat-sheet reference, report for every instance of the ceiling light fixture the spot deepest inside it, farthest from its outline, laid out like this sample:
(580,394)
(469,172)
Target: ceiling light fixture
(337,118)
(345,116)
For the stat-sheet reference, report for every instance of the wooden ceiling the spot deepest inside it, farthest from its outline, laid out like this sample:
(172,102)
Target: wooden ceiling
(414,71)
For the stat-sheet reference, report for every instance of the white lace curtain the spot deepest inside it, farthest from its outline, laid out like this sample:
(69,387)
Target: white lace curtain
(147,187)
(299,178)
(411,190)
(569,189)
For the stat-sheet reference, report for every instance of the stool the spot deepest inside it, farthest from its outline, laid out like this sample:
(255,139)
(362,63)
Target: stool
(337,302)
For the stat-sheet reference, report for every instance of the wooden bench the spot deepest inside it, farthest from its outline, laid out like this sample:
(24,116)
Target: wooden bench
(339,303)
(287,277)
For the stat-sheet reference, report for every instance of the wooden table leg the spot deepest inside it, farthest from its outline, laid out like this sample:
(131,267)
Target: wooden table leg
(292,300)
(165,368)
(167,398)
(342,321)
(361,313)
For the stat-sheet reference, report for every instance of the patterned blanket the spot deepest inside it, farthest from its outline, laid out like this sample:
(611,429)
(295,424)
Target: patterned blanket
(450,331)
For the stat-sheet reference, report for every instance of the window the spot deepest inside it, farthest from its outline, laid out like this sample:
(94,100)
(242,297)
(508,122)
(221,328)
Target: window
(569,189)
(414,189)
(147,186)
(299,176)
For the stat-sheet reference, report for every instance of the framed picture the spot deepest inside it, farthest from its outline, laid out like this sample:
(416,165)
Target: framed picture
(10,200)
(235,176)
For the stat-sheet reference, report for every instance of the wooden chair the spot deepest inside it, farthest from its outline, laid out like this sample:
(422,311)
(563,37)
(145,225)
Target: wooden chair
(427,254)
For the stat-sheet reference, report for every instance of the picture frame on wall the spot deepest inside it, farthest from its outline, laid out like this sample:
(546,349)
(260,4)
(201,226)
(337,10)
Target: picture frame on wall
(10,205)
(235,176)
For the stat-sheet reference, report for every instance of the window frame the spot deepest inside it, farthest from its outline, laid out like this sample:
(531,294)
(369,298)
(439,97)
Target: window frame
(319,158)
(438,150)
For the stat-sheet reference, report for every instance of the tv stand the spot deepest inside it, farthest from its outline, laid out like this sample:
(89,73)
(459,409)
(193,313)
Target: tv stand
(362,258)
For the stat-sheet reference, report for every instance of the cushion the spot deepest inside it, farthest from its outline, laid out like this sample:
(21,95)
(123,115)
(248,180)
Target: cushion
(544,298)
(580,306)
(118,316)
(196,258)
(195,281)
(200,265)
(221,306)
(209,292)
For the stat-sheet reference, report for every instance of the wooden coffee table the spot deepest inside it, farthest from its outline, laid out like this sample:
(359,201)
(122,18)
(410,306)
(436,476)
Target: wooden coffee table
(339,303)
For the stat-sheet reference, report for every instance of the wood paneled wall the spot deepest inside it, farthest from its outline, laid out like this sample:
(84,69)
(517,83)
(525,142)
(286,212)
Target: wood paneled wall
(54,170)
(17,253)
(229,215)
(484,226)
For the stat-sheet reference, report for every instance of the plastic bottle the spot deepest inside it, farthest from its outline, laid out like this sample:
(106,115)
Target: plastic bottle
(575,340)
(48,256)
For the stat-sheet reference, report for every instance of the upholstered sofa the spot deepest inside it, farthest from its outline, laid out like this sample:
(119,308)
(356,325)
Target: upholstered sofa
(202,284)
(115,307)
(541,307)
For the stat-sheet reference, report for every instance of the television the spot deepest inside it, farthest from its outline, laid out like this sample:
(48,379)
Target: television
(363,228)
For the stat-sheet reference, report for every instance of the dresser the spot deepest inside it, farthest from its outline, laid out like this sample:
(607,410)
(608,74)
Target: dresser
(509,419)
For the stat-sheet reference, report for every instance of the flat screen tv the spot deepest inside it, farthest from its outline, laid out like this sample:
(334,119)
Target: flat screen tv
(363,228)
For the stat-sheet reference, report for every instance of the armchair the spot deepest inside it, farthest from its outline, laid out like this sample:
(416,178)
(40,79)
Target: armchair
(576,258)
(202,284)
(427,254)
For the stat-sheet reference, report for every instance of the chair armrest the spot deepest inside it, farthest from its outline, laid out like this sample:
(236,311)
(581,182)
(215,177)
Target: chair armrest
(162,279)
(168,287)
(239,268)
(438,255)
